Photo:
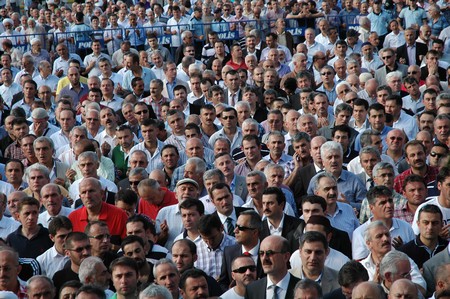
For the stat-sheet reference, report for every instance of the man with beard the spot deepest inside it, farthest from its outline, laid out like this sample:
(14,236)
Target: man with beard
(133,247)
(167,275)
(194,285)
(124,272)
(243,273)
(77,248)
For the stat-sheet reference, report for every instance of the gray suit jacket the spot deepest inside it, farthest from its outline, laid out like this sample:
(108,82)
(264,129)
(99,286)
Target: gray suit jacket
(240,188)
(380,74)
(329,281)
(430,266)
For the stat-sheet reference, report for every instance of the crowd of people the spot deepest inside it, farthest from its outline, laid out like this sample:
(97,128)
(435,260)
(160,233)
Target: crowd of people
(224,149)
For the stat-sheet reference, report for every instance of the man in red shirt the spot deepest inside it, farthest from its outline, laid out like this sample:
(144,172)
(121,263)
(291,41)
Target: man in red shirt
(153,198)
(95,208)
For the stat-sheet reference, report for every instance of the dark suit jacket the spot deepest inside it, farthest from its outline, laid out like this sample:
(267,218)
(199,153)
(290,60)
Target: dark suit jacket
(421,50)
(257,289)
(240,188)
(289,227)
(430,266)
(441,72)
(225,92)
(194,109)
(339,240)
(229,254)
(258,53)
(300,185)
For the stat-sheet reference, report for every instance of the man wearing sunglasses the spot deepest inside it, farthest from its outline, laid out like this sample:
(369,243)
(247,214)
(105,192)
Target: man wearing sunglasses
(248,227)
(77,248)
(243,273)
(279,283)
(388,57)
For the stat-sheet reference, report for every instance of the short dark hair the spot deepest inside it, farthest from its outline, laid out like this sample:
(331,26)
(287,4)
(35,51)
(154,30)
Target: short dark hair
(361,102)
(376,191)
(124,261)
(74,236)
(130,240)
(191,273)
(413,178)
(281,198)
(312,236)
(219,186)
(28,201)
(209,222)
(147,224)
(315,199)
(92,290)
(341,128)
(193,203)
(15,161)
(351,272)
(127,196)
(376,107)
(433,209)
(58,223)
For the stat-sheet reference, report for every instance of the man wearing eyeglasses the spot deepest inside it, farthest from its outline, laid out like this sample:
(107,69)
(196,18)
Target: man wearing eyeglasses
(279,283)
(388,56)
(243,273)
(247,230)
(77,248)
(100,240)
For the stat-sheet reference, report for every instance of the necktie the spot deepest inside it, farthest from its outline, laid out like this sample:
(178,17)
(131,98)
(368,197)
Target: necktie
(233,100)
(247,254)
(372,184)
(230,227)
(275,291)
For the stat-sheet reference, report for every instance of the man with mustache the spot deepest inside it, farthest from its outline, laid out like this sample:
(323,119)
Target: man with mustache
(194,285)
(243,273)
(415,156)
(378,240)
(341,215)
(352,190)
(382,207)
(279,283)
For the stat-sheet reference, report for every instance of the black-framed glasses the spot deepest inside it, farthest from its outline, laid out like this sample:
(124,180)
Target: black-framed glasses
(349,101)
(80,249)
(269,252)
(386,57)
(101,237)
(228,117)
(434,154)
(244,228)
(134,183)
(413,73)
(327,73)
(244,269)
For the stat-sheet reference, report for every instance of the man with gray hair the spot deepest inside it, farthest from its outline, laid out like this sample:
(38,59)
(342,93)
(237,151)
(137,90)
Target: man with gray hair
(307,288)
(155,291)
(40,286)
(378,240)
(351,189)
(383,174)
(94,272)
(394,266)
(88,164)
(166,274)
(44,149)
(153,197)
(276,144)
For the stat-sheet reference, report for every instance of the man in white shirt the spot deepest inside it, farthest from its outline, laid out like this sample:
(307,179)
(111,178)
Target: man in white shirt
(52,198)
(55,258)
